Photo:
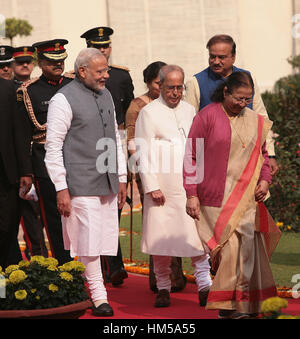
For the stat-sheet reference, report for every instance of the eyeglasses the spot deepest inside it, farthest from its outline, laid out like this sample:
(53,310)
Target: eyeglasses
(241,100)
(6,64)
(100,71)
(105,46)
(105,70)
(179,88)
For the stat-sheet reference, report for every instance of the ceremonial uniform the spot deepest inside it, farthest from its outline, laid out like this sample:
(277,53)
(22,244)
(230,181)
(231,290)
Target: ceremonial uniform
(121,88)
(14,163)
(33,99)
(33,232)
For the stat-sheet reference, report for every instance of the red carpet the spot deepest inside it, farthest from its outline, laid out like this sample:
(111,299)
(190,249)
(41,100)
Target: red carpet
(134,300)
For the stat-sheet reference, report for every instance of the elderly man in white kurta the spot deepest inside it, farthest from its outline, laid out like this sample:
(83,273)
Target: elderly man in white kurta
(161,130)
(86,163)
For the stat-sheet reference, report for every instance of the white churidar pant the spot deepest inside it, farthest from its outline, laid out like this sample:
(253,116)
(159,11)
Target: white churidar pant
(162,271)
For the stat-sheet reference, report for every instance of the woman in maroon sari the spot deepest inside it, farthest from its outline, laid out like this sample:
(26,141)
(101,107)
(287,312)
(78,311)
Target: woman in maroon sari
(227,201)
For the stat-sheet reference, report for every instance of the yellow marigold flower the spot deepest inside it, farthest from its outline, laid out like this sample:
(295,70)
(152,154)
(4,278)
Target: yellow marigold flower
(33,290)
(289,227)
(17,276)
(38,259)
(53,288)
(37,297)
(66,276)
(21,294)
(273,305)
(286,316)
(78,266)
(52,268)
(24,263)
(279,224)
(66,267)
(51,262)
(11,268)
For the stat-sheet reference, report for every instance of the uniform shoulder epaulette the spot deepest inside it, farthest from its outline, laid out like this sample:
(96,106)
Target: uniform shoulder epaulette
(22,95)
(70,74)
(27,83)
(23,88)
(120,67)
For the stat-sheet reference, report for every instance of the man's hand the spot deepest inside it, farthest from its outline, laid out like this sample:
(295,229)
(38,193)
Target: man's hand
(25,185)
(261,191)
(193,207)
(273,166)
(122,195)
(64,203)
(158,198)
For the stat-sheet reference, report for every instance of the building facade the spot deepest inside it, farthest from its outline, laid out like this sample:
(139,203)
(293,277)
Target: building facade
(267,32)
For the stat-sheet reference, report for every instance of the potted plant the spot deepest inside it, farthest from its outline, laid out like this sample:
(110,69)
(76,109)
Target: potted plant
(40,288)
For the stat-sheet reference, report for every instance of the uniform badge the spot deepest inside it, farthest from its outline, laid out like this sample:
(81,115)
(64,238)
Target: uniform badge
(100,31)
(56,48)
(2,51)
(19,96)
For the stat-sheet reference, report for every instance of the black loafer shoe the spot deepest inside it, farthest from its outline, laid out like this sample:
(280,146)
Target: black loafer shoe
(203,295)
(118,276)
(104,310)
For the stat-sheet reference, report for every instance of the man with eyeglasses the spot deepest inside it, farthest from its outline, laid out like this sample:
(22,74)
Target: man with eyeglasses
(163,125)
(6,59)
(121,88)
(222,55)
(89,190)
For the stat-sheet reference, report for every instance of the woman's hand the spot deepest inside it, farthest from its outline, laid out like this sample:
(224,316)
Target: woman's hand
(193,207)
(261,191)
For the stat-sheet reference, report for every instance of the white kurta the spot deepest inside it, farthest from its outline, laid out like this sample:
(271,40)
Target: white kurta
(167,230)
(92,228)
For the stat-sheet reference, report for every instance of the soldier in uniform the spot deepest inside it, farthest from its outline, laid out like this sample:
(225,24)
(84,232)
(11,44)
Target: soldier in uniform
(6,59)
(33,98)
(121,88)
(23,66)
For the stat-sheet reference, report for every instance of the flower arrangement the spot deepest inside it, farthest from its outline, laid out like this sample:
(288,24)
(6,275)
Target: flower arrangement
(41,284)
(272,309)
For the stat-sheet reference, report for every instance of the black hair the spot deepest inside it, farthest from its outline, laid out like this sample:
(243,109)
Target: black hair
(234,81)
(152,70)
(227,39)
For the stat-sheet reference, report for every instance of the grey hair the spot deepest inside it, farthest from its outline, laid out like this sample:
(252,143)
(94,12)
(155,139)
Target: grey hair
(165,70)
(85,56)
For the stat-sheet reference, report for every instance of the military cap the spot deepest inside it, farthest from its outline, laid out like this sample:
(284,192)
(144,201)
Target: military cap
(52,50)
(98,36)
(6,54)
(23,53)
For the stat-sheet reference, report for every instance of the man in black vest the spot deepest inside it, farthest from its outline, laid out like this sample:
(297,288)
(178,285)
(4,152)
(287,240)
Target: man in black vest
(14,164)
(33,99)
(121,88)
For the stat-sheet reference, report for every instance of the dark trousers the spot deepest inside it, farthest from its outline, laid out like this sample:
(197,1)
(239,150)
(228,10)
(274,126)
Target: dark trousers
(9,216)
(34,235)
(47,198)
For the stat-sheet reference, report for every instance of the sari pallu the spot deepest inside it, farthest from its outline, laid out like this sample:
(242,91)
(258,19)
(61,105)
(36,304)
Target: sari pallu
(235,233)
